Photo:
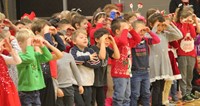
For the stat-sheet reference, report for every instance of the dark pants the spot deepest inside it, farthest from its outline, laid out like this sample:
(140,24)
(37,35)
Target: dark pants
(157,88)
(31,98)
(98,95)
(195,88)
(68,99)
(84,99)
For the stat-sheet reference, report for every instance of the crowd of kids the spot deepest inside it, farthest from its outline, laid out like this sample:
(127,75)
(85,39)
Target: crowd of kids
(113,59)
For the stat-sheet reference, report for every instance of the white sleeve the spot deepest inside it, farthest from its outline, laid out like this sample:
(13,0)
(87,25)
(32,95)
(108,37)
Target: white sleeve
(13,59)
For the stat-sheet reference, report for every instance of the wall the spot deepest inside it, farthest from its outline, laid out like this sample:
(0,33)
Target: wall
(160,4)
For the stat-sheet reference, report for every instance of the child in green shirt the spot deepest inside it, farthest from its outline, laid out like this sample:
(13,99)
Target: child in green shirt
(29,71)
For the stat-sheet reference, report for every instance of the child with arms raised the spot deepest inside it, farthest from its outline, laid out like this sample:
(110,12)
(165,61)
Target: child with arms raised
(29,71)
(121,68)
(140,80)
(103,40)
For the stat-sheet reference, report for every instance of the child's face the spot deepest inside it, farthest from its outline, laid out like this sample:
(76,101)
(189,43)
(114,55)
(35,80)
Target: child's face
(132,19)
(187,20)
(2,25)
(84,24)
(123,25)
(161,26)
(81,40)
(107,40)
(102,20)
(141,29)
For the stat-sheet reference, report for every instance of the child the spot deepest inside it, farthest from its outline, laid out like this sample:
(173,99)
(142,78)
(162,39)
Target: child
(86,60)
(103,40)
(41,28)
(8,93)
(67,70)
(186,52)
(29,71)
(80,22)
(140,80)
(121,68)
(160,66)
(64,27)
(98,21)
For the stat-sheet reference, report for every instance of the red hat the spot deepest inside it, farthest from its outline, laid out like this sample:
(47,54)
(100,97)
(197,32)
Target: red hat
(30,16)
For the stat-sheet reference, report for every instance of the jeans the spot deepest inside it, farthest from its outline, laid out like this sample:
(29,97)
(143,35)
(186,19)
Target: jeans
(122,92)
(140,88)
(68,99)
(84,99)
(174,91)
(31,98)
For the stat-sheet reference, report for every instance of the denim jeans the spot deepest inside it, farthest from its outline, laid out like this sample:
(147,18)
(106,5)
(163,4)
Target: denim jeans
(140,88)
(122,92)
(31,98)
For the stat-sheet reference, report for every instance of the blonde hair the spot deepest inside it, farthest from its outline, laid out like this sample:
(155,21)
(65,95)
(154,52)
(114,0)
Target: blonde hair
(23,34)
(77,32)
(2,16)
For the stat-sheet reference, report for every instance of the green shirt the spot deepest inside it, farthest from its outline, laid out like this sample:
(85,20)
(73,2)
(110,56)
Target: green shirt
(29,71)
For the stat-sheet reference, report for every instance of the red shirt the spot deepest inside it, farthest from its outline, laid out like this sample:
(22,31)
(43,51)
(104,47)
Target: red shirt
(186,28)
(120,67)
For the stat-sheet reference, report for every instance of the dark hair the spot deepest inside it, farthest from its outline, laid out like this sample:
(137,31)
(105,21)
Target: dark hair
(97,15)
(134,24)
(155,17)
(38,25)
(63,21)
(128,15)
(116,24)
(100,32)
(77,20)
(19,22)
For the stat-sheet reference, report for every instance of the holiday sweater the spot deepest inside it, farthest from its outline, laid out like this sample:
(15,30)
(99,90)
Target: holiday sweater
(186,44)
(121,68)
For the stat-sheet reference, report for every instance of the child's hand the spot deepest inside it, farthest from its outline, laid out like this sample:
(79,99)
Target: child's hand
(7,45)
(81,89)
(52,30)
(46,43)
(148,29)
(112,40)
(103,38)
(93,56)
(7,22)
(194,18)
(60,93)
(38,41)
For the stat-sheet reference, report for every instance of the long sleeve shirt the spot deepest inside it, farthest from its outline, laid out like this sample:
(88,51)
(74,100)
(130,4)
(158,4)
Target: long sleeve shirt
(29,71)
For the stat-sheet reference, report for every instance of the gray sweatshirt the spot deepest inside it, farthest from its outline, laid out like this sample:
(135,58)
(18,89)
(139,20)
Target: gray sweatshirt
(67,71)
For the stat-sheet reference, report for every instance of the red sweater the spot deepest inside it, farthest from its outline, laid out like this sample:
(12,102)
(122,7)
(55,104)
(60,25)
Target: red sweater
(120,66)
(186,28)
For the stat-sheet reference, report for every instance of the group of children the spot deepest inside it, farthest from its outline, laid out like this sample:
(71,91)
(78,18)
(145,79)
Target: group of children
(69,60)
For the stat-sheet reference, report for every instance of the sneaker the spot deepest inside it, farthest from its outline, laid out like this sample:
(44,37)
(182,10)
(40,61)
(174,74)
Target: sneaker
(193,96)
(187,97)
(197,94)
